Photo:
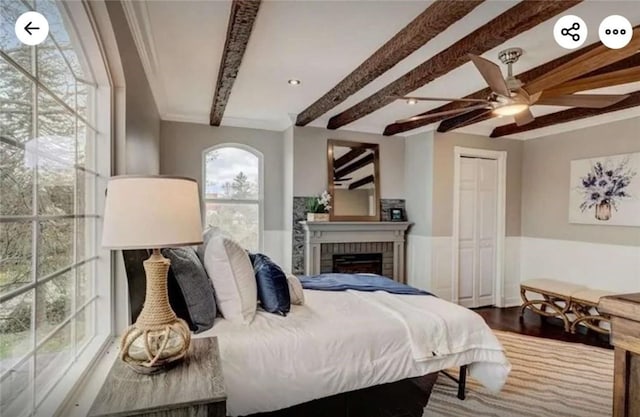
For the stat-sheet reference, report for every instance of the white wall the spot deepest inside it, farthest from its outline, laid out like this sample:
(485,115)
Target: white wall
(310,160)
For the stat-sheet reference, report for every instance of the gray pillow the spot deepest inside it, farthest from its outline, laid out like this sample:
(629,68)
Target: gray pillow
(209,233)
(195,286)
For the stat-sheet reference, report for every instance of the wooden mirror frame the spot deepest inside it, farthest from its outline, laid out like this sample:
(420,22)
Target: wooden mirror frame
(376,174)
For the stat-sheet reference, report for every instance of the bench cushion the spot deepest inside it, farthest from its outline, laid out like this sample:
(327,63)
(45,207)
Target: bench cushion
(591,296)
(554,286)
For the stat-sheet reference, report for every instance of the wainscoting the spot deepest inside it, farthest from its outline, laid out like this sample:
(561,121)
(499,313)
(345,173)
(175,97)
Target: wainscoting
(277,245)
(611,267)
(430,266)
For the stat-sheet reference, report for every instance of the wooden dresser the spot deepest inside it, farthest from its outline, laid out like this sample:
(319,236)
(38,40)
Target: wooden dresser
(193,388)
(625,337)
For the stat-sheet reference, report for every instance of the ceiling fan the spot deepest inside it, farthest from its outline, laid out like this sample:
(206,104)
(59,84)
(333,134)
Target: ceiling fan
(509,96)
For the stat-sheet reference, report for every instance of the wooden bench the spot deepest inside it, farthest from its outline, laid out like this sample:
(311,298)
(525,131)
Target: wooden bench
(583,305)
(574,304)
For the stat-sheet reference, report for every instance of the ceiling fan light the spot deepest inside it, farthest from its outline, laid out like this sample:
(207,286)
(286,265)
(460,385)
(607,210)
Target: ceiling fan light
(510,109)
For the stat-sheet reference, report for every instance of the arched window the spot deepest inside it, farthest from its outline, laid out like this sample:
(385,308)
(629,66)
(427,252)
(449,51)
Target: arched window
(233,192)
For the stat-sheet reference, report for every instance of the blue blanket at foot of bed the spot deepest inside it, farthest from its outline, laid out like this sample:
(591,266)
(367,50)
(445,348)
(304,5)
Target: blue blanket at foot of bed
(357,282)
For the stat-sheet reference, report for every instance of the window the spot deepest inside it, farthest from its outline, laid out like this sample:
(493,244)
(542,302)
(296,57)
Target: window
(54,163)
(233,192)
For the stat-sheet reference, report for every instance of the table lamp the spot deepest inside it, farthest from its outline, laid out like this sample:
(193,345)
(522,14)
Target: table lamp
(151,213)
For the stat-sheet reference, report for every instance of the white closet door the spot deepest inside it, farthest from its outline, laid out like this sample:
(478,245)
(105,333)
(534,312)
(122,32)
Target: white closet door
(467,232)
(477,231)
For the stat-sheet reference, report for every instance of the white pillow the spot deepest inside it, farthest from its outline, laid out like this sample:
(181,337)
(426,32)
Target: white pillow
(231,273)
(296,293)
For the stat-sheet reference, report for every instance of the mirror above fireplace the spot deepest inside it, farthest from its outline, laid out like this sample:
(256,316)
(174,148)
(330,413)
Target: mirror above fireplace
(354,180)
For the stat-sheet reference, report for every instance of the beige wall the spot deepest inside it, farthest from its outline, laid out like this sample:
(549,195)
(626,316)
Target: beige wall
(182,144)
(545,184)
(443,145)
(142,124)
(310,160)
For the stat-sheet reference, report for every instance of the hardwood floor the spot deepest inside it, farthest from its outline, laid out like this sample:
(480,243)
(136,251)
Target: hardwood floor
(508,319)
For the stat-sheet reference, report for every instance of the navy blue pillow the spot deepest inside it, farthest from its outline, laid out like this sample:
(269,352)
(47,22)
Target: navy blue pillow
(273,287)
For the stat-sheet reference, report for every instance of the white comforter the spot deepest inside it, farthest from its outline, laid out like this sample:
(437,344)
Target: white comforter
(343,341)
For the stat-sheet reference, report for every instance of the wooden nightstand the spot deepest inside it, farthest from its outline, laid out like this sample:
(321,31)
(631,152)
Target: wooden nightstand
(192,388)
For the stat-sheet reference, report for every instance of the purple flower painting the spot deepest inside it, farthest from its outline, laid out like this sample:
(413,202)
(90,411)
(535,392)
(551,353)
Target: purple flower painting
(603,186)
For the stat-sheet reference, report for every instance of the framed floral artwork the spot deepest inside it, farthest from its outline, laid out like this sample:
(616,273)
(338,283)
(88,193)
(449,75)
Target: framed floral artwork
(606,190)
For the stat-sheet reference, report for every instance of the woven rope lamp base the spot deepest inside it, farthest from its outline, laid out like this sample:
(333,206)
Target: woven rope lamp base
(158,339)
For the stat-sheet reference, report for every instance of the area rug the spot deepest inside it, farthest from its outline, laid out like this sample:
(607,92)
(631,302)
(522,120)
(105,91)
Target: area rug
(548,379)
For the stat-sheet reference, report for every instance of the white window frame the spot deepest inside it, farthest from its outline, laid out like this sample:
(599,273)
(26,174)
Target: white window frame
(78,20)
(259,201)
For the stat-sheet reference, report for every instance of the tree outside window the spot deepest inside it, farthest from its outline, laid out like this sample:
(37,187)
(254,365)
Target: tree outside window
(232,191)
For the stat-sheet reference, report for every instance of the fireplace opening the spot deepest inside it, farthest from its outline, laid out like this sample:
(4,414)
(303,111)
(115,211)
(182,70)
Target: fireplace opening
(357,263)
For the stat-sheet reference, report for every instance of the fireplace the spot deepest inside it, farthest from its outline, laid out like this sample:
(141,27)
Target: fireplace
(324,240)
(359,257)
(358,263)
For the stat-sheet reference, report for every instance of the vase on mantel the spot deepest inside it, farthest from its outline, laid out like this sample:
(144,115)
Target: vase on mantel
(603,210)
(317,217)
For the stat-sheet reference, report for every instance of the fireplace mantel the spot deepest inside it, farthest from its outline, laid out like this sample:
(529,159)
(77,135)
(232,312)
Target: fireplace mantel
(317,233)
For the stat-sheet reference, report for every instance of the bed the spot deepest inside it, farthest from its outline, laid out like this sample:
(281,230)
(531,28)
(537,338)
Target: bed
(344,341)
(339,344)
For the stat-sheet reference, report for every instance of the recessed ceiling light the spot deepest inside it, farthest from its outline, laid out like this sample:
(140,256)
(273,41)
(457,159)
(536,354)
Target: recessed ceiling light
(412,101)
(293,81)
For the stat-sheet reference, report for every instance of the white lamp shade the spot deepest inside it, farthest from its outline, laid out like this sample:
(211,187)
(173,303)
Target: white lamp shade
(151,212)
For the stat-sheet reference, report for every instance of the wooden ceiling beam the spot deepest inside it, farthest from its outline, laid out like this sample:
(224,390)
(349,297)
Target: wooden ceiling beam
(520,18)
(363,181)
(348,157)
(353,167)
(241,19)
(436,18)
(566,116)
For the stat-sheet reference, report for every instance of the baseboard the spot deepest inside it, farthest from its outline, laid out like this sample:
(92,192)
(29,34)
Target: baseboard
(512,302)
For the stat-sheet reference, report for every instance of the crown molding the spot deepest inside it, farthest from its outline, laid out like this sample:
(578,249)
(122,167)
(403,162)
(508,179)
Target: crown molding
(203,119)
(137,16)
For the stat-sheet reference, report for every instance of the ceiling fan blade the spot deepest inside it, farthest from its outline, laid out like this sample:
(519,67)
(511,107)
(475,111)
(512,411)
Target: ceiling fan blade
(598,57)
(491,74)
(610,79)
(524,117)
(534,98)
(593,101)
(462,100)
(443,113)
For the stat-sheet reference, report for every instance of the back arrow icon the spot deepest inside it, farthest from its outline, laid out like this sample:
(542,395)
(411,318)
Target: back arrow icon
(29,28)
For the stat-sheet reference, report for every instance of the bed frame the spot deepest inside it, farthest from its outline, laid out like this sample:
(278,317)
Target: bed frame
(405,398)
